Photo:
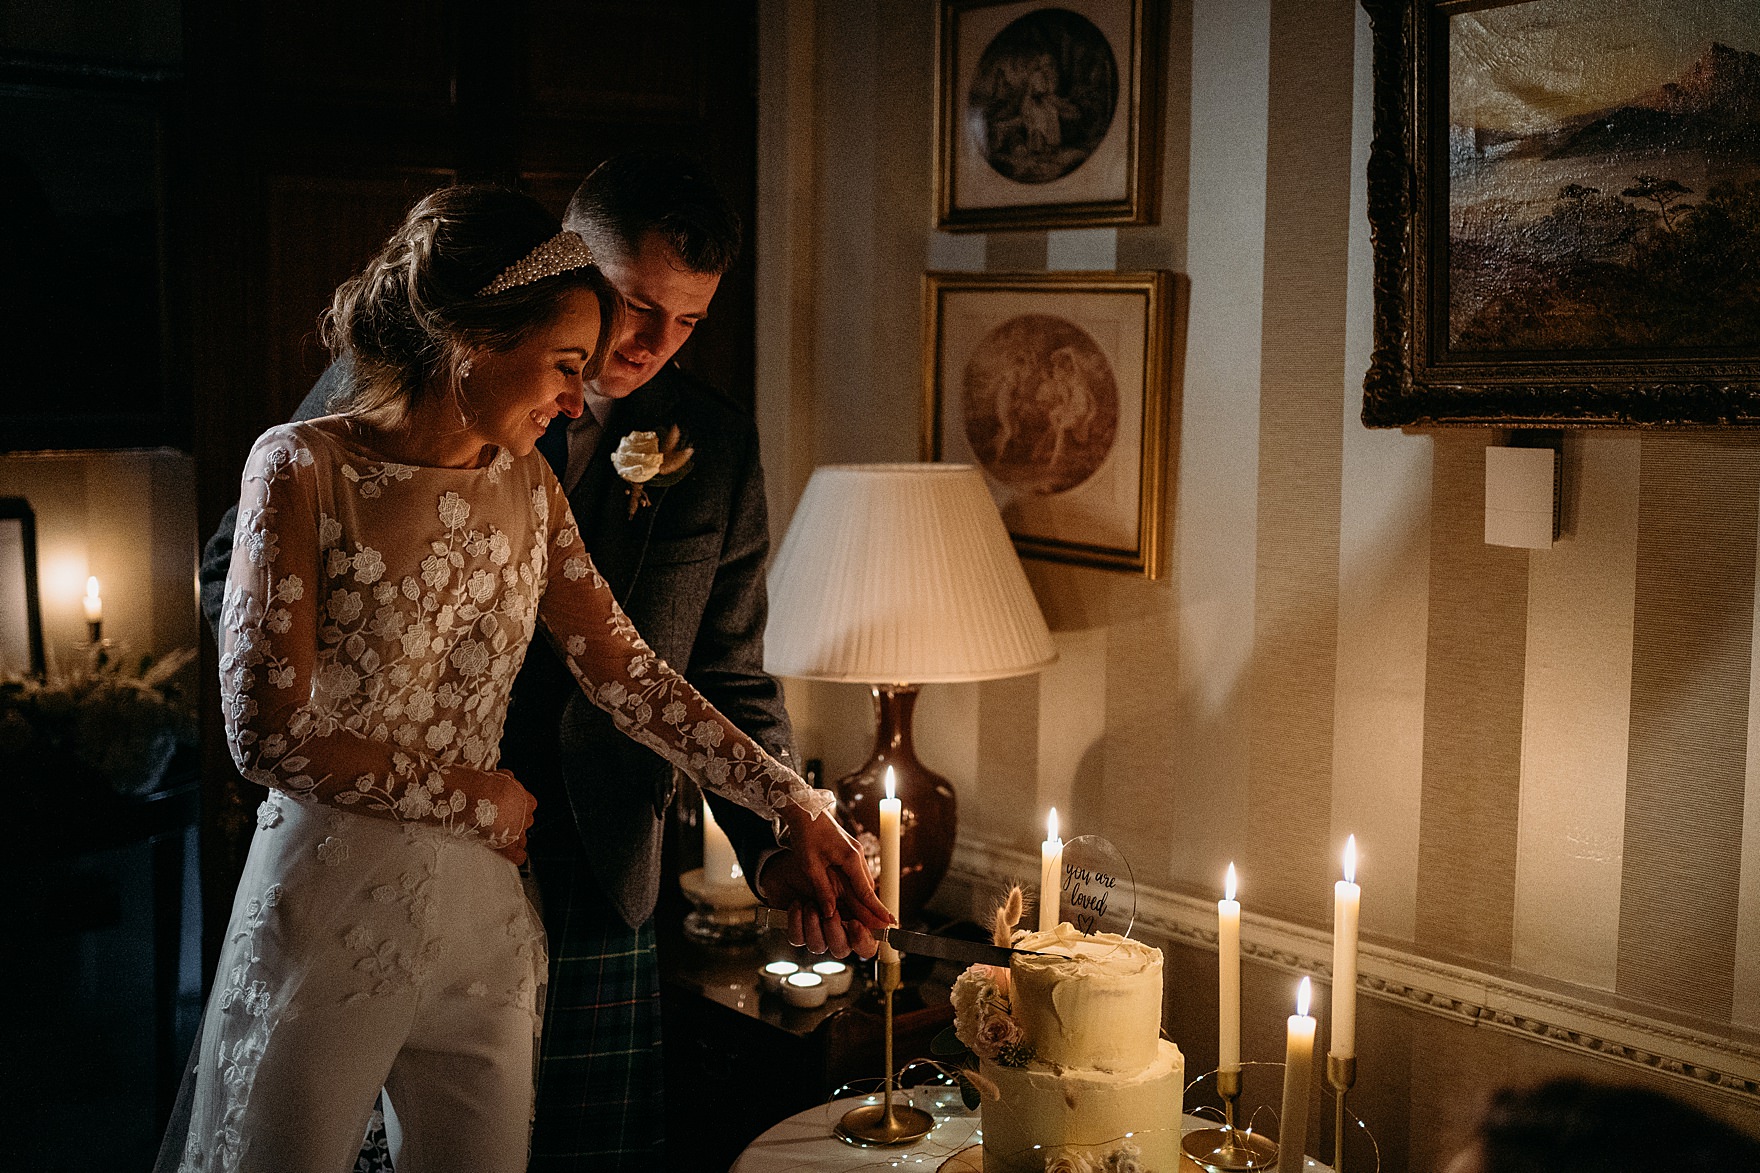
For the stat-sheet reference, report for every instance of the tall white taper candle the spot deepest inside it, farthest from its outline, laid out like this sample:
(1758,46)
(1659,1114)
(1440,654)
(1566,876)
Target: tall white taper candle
(1346,898)
(1228,963)
(891,811)
(1298,1078)
(1050,874)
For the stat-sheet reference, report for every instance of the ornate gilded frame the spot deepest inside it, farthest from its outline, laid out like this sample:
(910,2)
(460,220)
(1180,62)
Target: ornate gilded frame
(1413,379)
(1134,201)
(1142,306)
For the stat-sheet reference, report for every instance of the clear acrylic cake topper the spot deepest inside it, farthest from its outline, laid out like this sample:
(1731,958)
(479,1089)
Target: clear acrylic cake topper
(1099,892)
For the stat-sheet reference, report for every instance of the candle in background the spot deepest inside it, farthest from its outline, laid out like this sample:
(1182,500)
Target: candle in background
(1050,874)
(1228,960)
(94,603)
(1346,897)
(890,812)
(720,864)
(1298,1078)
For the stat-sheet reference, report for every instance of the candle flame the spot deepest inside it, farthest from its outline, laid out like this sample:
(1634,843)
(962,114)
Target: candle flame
(1228,884)
(1304,995)
(1051,826)
(92,587)
(1350,860)
(891,784)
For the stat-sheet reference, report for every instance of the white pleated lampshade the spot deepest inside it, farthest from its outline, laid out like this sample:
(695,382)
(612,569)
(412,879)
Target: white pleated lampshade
(901,574)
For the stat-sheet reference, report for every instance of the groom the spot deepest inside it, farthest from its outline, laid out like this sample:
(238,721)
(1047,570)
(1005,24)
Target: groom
(688,567)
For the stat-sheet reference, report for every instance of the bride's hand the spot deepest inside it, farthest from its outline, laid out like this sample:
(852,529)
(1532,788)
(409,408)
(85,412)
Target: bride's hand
(514,806)
(831,860)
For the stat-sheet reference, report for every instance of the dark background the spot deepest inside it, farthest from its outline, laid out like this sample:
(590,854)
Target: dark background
(182,185)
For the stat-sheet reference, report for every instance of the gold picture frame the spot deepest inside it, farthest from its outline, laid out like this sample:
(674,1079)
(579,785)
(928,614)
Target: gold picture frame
(1057,388)
(1049,114)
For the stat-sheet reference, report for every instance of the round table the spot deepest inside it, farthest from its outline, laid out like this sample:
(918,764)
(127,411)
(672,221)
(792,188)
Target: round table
(804,1143)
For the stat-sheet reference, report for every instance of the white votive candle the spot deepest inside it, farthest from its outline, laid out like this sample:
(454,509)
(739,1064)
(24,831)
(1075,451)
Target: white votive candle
(1228,968)
(835,975)
(1298,1078)
(720,865)
(776,973)
(804,989)
(1050,874)
(1346,903)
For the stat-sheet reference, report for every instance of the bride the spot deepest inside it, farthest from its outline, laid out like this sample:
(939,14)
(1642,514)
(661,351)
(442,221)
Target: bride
(392,564)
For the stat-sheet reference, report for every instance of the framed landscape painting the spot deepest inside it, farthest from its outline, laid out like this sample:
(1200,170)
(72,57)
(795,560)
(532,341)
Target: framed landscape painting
(1050,113)
(1055,386)
(1565,202)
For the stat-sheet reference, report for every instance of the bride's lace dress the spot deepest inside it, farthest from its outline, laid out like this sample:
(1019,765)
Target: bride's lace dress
(375,618)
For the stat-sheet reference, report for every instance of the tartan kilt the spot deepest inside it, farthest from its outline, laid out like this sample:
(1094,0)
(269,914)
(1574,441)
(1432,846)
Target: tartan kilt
(600,1102)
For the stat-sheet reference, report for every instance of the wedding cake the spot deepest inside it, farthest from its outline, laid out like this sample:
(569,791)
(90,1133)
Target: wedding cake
(1069,1043)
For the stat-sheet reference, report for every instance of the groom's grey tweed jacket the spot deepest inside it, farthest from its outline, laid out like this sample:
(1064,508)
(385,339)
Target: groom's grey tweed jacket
(689,570)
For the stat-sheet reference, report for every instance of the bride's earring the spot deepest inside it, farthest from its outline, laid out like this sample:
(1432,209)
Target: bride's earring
(464,370)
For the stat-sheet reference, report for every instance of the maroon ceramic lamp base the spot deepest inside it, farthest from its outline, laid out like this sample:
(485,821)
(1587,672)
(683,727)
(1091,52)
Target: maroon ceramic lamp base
(929,808)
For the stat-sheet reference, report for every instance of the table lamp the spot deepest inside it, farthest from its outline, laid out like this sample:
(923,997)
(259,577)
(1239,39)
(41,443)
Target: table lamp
(896,576)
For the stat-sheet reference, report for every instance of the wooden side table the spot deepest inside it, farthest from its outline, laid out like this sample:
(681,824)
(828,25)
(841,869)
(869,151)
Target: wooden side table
(738,1059)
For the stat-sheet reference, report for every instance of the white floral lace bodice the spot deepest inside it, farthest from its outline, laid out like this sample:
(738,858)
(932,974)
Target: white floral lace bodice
(375,618)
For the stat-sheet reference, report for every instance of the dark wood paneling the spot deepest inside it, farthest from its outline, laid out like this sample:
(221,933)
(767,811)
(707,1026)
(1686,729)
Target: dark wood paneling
(341,52)
(640,59)
(321,230)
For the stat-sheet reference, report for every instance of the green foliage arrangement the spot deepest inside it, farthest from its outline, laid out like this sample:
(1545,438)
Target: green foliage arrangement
(109,723)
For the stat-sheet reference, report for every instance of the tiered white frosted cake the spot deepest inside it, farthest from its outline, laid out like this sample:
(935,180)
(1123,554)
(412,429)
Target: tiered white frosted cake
(1099,1078)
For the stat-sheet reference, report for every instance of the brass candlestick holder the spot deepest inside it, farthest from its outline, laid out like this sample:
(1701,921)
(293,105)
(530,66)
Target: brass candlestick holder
(1227,1149)
(1341,1073)
(885,1123)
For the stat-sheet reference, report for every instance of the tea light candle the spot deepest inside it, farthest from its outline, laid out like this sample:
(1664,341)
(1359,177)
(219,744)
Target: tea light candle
(835,975)
(805,990)
(777,972)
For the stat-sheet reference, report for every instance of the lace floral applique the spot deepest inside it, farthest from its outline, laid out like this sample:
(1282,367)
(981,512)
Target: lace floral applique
(372,482)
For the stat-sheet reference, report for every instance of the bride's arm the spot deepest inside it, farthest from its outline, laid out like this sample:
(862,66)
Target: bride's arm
(289,724)
(654,705)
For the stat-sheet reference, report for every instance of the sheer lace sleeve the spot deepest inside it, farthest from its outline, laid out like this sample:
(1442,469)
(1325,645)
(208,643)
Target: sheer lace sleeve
(646,699)
(292,721)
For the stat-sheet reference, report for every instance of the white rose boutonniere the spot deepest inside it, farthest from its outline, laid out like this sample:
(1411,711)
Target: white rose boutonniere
(645,458)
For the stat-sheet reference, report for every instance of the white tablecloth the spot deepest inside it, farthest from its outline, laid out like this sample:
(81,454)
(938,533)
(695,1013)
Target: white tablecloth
(804,1142)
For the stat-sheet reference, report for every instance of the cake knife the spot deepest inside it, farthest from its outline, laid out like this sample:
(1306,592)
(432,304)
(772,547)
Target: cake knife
(924,944)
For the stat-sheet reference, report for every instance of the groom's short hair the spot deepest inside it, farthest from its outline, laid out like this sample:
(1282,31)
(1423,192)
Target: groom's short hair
(637,192)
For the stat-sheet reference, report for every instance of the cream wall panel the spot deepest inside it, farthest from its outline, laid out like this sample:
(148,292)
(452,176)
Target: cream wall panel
(1691,651)
(1383,603)
(1746,994)
(1072,725)
(1472,716)
(1295,622)
(1575,721)
(1745,1007)
(1216,473)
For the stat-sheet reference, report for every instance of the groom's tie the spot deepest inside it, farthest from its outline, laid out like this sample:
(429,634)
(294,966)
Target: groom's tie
(553,444)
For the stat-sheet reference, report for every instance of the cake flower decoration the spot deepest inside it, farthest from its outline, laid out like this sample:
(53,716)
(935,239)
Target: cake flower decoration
(984,1026)
(644,458)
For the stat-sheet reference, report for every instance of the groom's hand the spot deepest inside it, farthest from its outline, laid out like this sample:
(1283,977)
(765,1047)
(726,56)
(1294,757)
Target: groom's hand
(783,883)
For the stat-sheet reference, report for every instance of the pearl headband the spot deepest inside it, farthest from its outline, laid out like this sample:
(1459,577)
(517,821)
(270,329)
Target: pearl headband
(561,253)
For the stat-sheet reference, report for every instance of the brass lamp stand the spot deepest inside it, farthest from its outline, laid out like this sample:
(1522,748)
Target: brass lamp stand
(885,1123)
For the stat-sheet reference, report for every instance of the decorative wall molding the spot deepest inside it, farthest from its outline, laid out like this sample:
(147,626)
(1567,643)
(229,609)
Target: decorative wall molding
(1624,1035)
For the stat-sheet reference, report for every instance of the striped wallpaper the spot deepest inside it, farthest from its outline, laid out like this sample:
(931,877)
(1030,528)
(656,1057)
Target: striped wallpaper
(1551,759)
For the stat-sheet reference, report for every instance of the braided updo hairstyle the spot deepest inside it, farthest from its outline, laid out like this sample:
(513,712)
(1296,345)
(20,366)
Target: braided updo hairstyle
(409,319)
